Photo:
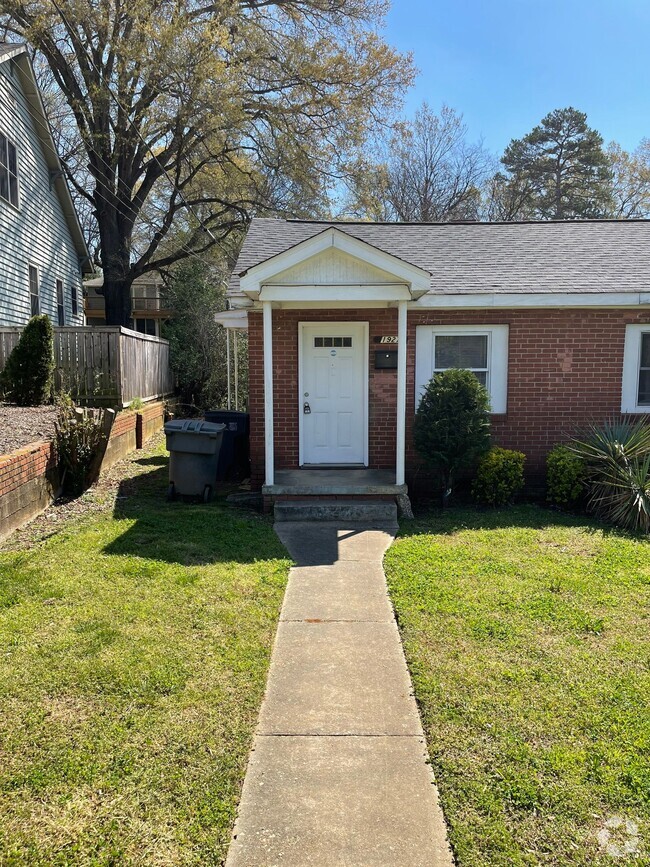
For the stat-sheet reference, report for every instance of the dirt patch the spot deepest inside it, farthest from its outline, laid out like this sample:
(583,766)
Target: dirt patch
(22,425)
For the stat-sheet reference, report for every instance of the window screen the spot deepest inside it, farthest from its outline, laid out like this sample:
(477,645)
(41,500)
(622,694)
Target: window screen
(74,300)
(465,351)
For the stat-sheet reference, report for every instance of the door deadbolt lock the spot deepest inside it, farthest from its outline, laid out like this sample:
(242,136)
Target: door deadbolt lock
(306,408)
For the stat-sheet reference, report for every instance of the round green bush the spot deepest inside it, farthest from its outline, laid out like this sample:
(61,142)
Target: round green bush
(499,477)
(565,477)
(27,376)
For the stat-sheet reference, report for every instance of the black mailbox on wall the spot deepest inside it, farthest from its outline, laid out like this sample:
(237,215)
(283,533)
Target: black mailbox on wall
(386,359)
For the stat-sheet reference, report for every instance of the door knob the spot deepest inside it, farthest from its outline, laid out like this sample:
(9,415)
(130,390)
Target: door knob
(306,408)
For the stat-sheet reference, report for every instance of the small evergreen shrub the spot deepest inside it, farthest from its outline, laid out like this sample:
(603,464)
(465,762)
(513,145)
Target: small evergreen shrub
(565,477)
(27,376)
(452,424)
(499,477)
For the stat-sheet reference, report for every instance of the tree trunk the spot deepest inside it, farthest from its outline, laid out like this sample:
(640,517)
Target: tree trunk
(117,298)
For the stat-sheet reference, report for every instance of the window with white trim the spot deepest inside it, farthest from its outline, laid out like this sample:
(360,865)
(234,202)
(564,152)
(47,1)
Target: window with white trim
(483,350)
(635,393)
(8,171)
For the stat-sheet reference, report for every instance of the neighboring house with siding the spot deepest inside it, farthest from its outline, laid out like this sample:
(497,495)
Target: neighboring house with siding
(347,322)
(43,255)
(148,309)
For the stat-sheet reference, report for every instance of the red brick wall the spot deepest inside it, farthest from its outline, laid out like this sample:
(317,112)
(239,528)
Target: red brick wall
(23,465)
(564,368)
(28,484)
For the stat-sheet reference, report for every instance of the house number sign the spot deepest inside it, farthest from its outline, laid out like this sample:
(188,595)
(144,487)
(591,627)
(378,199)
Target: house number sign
(387,339)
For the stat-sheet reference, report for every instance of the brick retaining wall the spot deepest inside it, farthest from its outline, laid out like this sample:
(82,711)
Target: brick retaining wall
(29,479)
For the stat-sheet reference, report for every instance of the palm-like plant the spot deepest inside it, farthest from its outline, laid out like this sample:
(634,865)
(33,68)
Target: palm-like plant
(617,458)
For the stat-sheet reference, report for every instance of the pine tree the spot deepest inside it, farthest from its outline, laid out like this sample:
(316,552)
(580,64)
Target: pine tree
(563,166)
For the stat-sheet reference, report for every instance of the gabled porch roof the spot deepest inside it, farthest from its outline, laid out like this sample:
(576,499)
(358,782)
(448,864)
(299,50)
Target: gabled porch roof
(389,279)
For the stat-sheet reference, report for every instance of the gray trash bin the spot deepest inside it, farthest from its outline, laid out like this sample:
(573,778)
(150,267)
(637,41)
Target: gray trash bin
(193,446)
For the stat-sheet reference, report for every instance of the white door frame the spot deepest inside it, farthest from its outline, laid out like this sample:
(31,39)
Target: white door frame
(365,326)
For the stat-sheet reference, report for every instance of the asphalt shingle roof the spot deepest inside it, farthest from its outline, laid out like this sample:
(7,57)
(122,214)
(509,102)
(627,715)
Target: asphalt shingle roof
(586,256)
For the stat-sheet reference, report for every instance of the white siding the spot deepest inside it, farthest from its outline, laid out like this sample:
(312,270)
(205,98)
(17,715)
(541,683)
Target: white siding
(36,233)
(332,267)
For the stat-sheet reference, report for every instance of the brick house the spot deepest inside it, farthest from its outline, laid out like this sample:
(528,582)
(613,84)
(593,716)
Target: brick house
(348,321)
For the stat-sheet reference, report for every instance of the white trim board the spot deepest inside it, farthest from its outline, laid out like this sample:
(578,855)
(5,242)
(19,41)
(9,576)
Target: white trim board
(497,359)
(491,300)
(631,369)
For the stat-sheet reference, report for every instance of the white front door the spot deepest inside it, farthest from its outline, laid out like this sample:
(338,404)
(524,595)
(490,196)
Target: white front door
(333,393)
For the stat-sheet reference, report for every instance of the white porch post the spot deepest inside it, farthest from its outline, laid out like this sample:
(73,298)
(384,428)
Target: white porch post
(267,314)
(235,351)
(400,462)
(228,363)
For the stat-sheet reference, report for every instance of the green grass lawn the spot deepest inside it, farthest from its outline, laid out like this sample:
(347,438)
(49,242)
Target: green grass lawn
(134,646)
(528,638)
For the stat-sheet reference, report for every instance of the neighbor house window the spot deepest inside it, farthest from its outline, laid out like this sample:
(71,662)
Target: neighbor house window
(8,171)
(145,326)
(636,369)
(74,300)
(482,350)
(60,305)
(35,303)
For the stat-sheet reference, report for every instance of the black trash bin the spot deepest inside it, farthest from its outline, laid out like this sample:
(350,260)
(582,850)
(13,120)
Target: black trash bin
(234,457)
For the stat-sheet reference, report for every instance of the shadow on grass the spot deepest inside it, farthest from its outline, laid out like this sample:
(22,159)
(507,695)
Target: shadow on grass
(153,461)
(534,517)
(186,533)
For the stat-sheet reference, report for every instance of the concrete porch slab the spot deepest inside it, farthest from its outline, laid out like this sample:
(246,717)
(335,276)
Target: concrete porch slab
(333,801)
(330,678)
(334,482)
(337,593)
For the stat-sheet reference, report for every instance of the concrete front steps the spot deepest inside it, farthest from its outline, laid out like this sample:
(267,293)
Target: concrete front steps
(382,512)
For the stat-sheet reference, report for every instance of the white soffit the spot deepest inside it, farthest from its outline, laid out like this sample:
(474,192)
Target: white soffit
(233,319)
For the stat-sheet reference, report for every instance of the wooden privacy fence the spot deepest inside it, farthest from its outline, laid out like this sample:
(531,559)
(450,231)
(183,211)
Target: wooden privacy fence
(104,366)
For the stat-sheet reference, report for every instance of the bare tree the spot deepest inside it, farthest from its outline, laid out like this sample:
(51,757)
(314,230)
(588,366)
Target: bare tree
(630,180)
(428,172)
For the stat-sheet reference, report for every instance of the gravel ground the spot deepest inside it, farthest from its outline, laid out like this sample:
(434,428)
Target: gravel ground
(21,425)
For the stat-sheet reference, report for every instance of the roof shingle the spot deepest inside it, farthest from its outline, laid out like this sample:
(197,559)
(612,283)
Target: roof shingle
(576,256)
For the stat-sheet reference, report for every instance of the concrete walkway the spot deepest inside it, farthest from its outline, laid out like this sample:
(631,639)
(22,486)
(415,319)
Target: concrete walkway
(338,775)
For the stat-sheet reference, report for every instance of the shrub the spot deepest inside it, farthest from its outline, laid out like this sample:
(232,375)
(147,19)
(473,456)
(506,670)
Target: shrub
(78,437)
(452,424)
(27,376)
(499,477)
(565,477)
(617,462)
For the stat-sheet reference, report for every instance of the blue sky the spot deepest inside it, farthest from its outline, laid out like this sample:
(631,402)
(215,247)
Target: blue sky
(506,63)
